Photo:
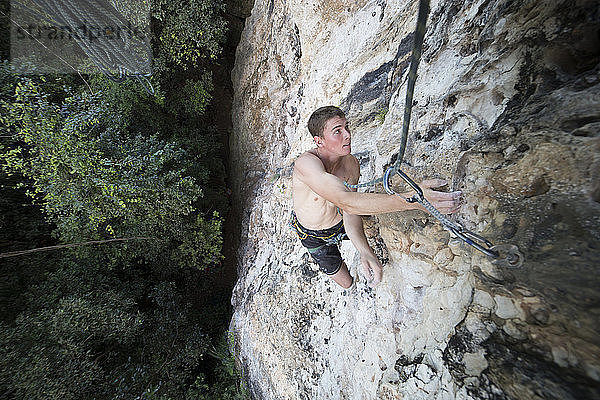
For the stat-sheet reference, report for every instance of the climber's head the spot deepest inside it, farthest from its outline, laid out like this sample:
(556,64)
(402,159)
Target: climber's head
(318,119)
(330,131)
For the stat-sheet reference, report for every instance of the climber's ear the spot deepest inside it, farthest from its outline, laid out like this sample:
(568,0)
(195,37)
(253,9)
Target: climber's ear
(318,140)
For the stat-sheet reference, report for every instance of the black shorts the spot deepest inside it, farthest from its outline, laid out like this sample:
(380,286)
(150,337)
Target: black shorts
(322,244)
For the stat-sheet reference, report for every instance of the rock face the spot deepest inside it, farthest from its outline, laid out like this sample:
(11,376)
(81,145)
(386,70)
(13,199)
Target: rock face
(507,109)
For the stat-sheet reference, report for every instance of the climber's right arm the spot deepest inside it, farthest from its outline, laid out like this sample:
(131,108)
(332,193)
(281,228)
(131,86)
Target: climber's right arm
(310,170)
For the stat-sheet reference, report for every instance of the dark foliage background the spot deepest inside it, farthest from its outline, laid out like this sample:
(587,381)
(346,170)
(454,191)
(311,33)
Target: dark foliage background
(141,318)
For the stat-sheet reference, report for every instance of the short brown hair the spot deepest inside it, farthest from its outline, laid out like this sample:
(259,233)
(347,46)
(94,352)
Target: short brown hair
(318,119)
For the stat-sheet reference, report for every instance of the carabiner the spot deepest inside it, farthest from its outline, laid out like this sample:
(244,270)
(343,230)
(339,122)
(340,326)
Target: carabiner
(418,196)
(413,185)
(475,240)
(386,181)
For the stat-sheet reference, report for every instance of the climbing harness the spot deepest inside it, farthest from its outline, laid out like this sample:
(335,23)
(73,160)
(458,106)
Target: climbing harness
(302,234)
(504,255)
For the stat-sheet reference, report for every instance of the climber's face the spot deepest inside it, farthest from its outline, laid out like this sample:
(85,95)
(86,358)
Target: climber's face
(336,137)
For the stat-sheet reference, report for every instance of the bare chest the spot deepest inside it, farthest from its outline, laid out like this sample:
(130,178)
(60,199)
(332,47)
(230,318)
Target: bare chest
(314,211)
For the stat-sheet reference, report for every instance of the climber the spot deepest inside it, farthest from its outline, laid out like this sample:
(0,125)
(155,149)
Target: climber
(326,211)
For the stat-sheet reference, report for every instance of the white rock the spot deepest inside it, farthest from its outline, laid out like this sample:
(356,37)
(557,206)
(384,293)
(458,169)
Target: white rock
(477,327)
(443,256)
(483,302)
(513,330)
(506,308)
(475,363)
(560,356)
(298,334)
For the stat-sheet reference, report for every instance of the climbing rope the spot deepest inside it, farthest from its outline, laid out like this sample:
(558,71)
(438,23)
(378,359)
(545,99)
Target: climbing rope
(503,255)
(412,77)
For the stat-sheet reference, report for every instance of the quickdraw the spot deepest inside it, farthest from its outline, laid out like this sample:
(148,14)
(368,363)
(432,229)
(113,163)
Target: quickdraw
(511,257)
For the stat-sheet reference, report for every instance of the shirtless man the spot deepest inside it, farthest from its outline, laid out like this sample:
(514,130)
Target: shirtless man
(326,211)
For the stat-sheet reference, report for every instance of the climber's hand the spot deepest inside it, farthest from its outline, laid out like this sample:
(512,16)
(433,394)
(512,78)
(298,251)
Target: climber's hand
(445,202)
(372,269)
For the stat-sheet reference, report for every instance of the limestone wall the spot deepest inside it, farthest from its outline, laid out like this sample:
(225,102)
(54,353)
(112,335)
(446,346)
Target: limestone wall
(507,109)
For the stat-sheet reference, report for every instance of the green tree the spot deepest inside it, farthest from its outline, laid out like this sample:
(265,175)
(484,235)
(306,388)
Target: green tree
(94,181)
(93,333)
(188,31)
(130,320)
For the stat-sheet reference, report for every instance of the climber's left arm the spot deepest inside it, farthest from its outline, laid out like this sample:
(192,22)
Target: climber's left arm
(372,268)
(355,230)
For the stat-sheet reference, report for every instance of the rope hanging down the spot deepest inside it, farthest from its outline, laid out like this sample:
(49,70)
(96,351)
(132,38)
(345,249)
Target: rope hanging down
(412,78)
(504,255)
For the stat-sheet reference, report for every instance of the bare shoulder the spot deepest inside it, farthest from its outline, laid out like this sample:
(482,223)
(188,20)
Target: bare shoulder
(307,162)
(352,162)
(306,156)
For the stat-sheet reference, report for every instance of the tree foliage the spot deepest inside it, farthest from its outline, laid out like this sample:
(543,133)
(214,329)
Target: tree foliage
(133,320)
(92,334)
(94,181)
(189,31)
